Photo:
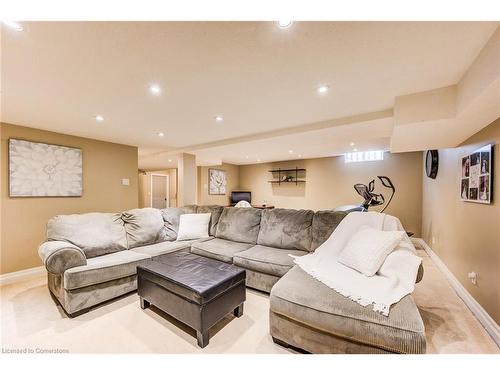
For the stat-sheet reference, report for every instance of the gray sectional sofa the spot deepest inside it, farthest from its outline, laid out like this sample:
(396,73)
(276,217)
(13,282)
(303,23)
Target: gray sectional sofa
(92,258)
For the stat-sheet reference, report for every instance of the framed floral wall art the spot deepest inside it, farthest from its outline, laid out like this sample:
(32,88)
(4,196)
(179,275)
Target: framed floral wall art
(217,181)
(44,170)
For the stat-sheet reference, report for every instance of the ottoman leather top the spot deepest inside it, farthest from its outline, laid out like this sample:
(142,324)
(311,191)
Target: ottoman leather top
(193,277)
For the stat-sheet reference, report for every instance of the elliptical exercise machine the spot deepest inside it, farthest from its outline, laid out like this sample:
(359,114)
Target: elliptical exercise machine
(371,199)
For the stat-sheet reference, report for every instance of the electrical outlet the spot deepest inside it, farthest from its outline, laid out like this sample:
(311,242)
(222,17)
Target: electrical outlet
(125,182)
(473,277)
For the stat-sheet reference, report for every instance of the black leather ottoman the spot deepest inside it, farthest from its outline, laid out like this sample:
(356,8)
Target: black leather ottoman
(196,290)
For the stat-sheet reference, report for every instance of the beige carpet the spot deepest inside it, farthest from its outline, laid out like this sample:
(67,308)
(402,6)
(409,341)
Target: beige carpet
(31,319)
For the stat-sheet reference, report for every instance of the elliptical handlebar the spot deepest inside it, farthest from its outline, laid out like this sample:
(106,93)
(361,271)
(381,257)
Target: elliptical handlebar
(386,181)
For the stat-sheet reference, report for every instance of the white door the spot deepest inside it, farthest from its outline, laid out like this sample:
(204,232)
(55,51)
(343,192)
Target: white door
(159,191)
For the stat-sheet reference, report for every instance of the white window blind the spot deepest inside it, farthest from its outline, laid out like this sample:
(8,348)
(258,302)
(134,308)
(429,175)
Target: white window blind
(359,156)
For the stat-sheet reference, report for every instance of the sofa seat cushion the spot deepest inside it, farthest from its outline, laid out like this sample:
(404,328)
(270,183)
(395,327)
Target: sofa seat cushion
(219,249)
(161,248)
(239,224)
(104,268)
(286,229)
(301,298)
(95,233)
(268,260)
(144,226)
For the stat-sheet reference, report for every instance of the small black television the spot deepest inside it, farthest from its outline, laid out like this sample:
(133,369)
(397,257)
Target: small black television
(237,196)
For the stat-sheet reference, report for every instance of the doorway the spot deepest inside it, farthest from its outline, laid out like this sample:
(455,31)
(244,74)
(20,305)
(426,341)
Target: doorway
(160,195)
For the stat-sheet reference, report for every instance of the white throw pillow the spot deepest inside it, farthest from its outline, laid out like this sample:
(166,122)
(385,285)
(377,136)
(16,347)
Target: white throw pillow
(193,226)
(367,249)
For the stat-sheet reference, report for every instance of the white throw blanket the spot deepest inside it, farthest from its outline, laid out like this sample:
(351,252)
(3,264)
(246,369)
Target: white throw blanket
(394,280)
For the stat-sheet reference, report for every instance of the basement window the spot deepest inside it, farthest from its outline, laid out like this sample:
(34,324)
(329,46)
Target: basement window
(354,157)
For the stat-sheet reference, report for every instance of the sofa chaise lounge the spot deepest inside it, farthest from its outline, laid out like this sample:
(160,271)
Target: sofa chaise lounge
(92,258)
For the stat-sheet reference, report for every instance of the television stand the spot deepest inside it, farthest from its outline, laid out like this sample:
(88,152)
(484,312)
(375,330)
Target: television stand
(262,207)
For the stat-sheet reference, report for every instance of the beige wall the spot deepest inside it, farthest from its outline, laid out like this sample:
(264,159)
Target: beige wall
(466,235)
(330,184)
(233,177)
(145,187)
(24,219)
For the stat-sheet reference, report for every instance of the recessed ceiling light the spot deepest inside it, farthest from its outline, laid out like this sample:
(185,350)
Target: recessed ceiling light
(219,118)
(99,118)
(155,89)
(290,151)
(284,24)
(170,160)
(13,25)
(160,134)
(352,144)
(323,89)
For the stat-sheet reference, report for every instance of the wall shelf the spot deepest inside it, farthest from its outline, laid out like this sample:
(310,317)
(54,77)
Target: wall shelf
(284,182)
(287,170)
(292,176)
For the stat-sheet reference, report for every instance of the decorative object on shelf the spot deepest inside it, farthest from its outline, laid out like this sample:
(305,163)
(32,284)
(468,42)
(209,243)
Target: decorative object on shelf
(287,175)
(431,163)
(44,170)
(477,175)
(217,181)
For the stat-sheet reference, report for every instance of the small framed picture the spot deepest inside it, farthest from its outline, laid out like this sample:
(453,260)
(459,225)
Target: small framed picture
(477,175)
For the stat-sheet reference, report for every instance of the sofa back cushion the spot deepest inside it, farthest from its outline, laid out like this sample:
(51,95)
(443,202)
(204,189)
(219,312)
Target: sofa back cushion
(190,208)
(216,211)
(144,226)
(171,220)
(323,225)
(286,229)
(95,233)
(239,224)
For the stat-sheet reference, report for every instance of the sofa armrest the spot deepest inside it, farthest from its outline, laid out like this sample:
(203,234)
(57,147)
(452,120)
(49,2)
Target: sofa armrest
(58,256)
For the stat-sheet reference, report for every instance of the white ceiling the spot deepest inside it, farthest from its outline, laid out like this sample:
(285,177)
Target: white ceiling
(262,79)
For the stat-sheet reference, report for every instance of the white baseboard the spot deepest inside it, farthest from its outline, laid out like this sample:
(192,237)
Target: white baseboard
(15,277)
(484,318)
